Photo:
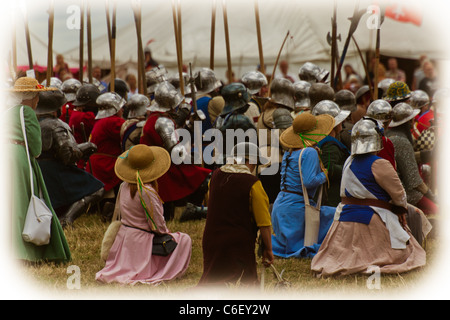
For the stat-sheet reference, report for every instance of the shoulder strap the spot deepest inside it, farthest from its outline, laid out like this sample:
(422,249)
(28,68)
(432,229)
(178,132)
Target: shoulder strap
(305,192)
(22,122)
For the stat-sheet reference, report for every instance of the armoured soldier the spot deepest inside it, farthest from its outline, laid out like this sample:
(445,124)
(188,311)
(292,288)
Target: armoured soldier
(183,182)
(255,81)
(71,189)
(131,130)
(312,73)
(70,88)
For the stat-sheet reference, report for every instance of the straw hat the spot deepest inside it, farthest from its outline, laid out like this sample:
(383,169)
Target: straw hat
(26,84)
(150,163)
(307,130)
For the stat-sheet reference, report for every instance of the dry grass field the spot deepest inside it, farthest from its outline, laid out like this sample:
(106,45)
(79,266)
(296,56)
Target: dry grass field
(85,241)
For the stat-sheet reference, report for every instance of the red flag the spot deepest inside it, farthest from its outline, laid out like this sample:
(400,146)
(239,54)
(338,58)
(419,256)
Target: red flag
(403,11)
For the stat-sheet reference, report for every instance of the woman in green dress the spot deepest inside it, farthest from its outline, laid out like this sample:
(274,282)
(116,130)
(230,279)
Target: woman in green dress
(26,93)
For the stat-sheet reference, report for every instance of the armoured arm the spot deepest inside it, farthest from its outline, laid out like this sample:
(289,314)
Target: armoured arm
(165,127)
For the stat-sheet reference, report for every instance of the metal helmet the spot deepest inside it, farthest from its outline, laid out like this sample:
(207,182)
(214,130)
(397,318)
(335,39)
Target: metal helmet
(361,92)
(383,86)
(205,81)
(109,103)
(174,79)
(366,137)
(95,82)
(154,77)
(301,94)
(319,92)
(380,110)
(166,98)
(54,82)
(235,96)
(120,87)
(312,73)
(402,113)
(50,101)
(254,81)
(345,99)
(87,94)
(397,91)
(419,99)
(331,108)
(70,88)
(282,92)
(282,118)
(137,105)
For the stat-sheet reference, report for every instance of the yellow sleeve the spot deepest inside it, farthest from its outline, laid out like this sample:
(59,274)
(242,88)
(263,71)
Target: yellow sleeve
(259,202)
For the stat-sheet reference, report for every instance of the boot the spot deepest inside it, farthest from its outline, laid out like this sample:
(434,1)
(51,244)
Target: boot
(193,212)
(80,207)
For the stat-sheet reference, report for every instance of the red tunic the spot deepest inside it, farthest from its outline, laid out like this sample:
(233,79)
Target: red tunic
(106,135)
(76,118)
(181,180)
(388,151)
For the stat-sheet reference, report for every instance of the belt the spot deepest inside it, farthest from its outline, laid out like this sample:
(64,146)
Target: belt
(294,192)
(375,203)
(17,142)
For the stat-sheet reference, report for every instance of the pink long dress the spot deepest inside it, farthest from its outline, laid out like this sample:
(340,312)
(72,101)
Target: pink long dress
(130,259)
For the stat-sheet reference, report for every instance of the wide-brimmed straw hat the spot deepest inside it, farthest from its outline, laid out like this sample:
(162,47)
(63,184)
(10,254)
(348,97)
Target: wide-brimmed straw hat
(148,163)
(307,130)
(26,84)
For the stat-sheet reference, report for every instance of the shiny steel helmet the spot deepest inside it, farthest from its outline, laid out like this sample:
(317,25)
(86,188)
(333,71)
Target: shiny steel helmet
(331,108)
(397,91)
(254,81)
(282,92)
(312,73)
(137,105)
(361,92)
(70,88)
(235,96)
(109,103)
(154,77)
(383,86)
(345,99)
(166,98)
(282,118)
(380,110)
(95,82)
(174,79)
(54,82)
(402,113)
(419,99)
(366,137)
(205,81)
(301,94)
(319,92)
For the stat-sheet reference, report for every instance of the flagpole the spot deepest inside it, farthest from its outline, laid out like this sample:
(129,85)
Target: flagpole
(81,61)
(227,42)
(50,43)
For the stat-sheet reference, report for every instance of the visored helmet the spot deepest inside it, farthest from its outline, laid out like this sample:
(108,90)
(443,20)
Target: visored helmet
(419,99)
(166,98)
(205,81)
(282,92)
(366,137)
(254,81)
(109,103)
(331,108)
(312,73)
(402,113)
(345,99)
(70,88)
(380,110)
(235,96)
(301,94)
(137,105)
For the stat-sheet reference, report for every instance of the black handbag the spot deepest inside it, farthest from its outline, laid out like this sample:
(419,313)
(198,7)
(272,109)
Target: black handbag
(163,245)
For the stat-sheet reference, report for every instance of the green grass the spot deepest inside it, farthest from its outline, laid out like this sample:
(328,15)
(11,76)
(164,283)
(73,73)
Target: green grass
(85,241)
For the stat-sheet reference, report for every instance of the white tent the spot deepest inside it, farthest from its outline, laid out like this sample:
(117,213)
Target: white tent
(308,25)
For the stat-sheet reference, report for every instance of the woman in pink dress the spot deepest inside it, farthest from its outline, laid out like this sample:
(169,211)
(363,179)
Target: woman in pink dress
(130,259)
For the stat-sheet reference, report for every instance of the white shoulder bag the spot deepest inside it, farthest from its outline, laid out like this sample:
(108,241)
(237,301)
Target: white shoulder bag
(312,214)
(39,217)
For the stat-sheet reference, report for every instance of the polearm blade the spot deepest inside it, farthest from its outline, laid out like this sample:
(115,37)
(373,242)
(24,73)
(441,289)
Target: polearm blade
(81,62)
(213,35)
(357,14)
(258,33)
(50,43)
(227,42)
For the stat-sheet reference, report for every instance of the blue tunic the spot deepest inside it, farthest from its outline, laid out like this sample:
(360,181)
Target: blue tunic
(288,213)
